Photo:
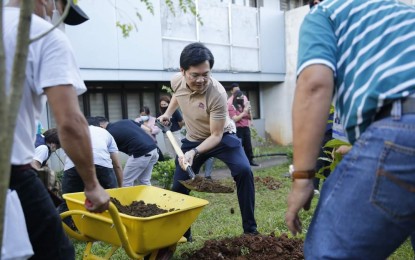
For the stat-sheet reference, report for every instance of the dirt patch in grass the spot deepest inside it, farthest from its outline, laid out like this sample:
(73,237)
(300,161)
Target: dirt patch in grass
(250,247)
(139,208)
(268,182)
(206,185)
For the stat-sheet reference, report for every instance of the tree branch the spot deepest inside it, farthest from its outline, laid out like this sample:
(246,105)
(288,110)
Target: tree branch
(13,101)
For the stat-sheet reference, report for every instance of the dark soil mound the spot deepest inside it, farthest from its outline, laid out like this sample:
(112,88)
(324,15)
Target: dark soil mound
(259,247)
(268,182)
(206,185)
(139,208)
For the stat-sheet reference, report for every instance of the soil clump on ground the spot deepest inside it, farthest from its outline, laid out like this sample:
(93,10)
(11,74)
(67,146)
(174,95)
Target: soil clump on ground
(269,182)
(206,185)
(258,247)
(139,208)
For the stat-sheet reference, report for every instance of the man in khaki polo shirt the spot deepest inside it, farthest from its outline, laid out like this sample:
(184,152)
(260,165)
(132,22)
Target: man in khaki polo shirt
(210,131)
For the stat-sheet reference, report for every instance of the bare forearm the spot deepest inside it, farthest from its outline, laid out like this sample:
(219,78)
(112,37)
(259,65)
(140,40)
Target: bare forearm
(310,112)
(209,143)
(36,165)
(173,105)
(117,168)
(216,134)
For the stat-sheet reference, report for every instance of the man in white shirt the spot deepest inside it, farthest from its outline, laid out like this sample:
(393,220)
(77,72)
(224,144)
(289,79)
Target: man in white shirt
(51,70)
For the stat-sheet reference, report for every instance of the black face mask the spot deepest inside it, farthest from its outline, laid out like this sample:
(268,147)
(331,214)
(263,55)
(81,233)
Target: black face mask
(163,109)
(240,101)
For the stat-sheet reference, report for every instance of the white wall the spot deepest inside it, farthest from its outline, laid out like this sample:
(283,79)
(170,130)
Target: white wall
(243,45)
(278,98)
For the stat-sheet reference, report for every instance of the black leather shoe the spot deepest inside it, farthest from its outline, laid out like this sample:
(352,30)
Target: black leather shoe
(252,233)
(252,163)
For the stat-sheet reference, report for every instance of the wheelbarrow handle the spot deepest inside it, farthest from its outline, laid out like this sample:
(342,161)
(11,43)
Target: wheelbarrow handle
(114,220)
(177,149)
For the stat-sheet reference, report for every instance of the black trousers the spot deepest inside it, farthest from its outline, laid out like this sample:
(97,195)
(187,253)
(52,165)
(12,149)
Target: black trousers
(244,133)
(44,225)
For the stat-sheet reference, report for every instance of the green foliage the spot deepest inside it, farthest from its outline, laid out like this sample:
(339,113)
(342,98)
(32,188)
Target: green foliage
(184,5)
(126,28)
(167,89)
(290,155)
(163,173)
(333,144)
(59,176)
(256,137)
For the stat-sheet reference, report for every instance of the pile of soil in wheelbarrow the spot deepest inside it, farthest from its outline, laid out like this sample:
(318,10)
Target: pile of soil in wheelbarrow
(206,185)
(269,182)
(139,208)
(259,247)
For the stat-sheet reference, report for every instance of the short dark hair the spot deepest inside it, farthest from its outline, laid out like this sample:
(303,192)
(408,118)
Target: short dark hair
(234,85)
(311,3)
(51,136)
(145,109)
(101,119)
(195,54)
(92,120)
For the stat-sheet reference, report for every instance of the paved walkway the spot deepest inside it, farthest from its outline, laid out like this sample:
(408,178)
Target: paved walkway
(264,163)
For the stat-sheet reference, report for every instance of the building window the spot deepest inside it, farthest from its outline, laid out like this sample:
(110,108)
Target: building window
(286,5)
(123,100)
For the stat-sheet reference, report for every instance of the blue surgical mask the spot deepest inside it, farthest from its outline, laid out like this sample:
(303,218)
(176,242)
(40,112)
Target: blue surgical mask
(144,118)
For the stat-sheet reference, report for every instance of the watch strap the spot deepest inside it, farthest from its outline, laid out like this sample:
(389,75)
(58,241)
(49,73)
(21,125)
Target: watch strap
(196,151)
(303,174)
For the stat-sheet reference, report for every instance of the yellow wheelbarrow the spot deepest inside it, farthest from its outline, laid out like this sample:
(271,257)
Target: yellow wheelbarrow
(141,237)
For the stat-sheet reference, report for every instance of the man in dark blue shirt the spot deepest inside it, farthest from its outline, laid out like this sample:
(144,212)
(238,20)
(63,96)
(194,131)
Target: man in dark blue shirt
(134,141)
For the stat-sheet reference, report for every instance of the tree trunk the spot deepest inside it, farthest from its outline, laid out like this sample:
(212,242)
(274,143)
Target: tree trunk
(10,99)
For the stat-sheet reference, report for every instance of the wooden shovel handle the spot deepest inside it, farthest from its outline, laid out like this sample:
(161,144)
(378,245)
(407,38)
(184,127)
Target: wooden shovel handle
(179,152)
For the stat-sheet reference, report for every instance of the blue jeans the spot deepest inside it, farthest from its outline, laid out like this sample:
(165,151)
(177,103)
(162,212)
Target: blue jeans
(367,205)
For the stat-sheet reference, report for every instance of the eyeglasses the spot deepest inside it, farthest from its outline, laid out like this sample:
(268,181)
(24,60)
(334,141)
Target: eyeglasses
(195,76)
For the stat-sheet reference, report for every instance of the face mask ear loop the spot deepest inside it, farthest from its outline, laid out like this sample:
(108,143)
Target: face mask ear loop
(54,5)
(45,14)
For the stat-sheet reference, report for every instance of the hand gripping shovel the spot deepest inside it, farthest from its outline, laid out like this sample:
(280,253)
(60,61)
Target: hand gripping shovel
(195,183)
(179,152)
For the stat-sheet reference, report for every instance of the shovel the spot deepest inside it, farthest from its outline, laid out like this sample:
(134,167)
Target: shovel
(166,129)
(202,185)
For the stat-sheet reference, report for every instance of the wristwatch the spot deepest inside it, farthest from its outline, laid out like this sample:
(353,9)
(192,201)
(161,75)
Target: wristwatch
(196,152)
(308,174)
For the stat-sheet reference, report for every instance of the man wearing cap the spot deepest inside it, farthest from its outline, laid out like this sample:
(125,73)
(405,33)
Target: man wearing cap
(52,71)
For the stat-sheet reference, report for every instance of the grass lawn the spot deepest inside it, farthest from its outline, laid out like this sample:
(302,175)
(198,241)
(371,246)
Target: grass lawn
(216,220)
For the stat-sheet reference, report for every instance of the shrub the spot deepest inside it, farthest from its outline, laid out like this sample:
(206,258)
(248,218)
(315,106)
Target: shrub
(163,173)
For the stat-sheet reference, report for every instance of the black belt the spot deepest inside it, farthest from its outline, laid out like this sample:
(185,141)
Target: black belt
(22,167)
(139,155)
(408,107)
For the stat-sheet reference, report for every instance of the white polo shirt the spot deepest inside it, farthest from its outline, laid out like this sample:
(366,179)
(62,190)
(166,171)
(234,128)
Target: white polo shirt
(102,145)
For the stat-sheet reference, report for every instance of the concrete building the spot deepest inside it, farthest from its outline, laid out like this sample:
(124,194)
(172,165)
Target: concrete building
(254,43)
(123,74)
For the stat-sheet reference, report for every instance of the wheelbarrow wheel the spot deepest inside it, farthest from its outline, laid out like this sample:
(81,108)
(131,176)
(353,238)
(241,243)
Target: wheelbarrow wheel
(165,253)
